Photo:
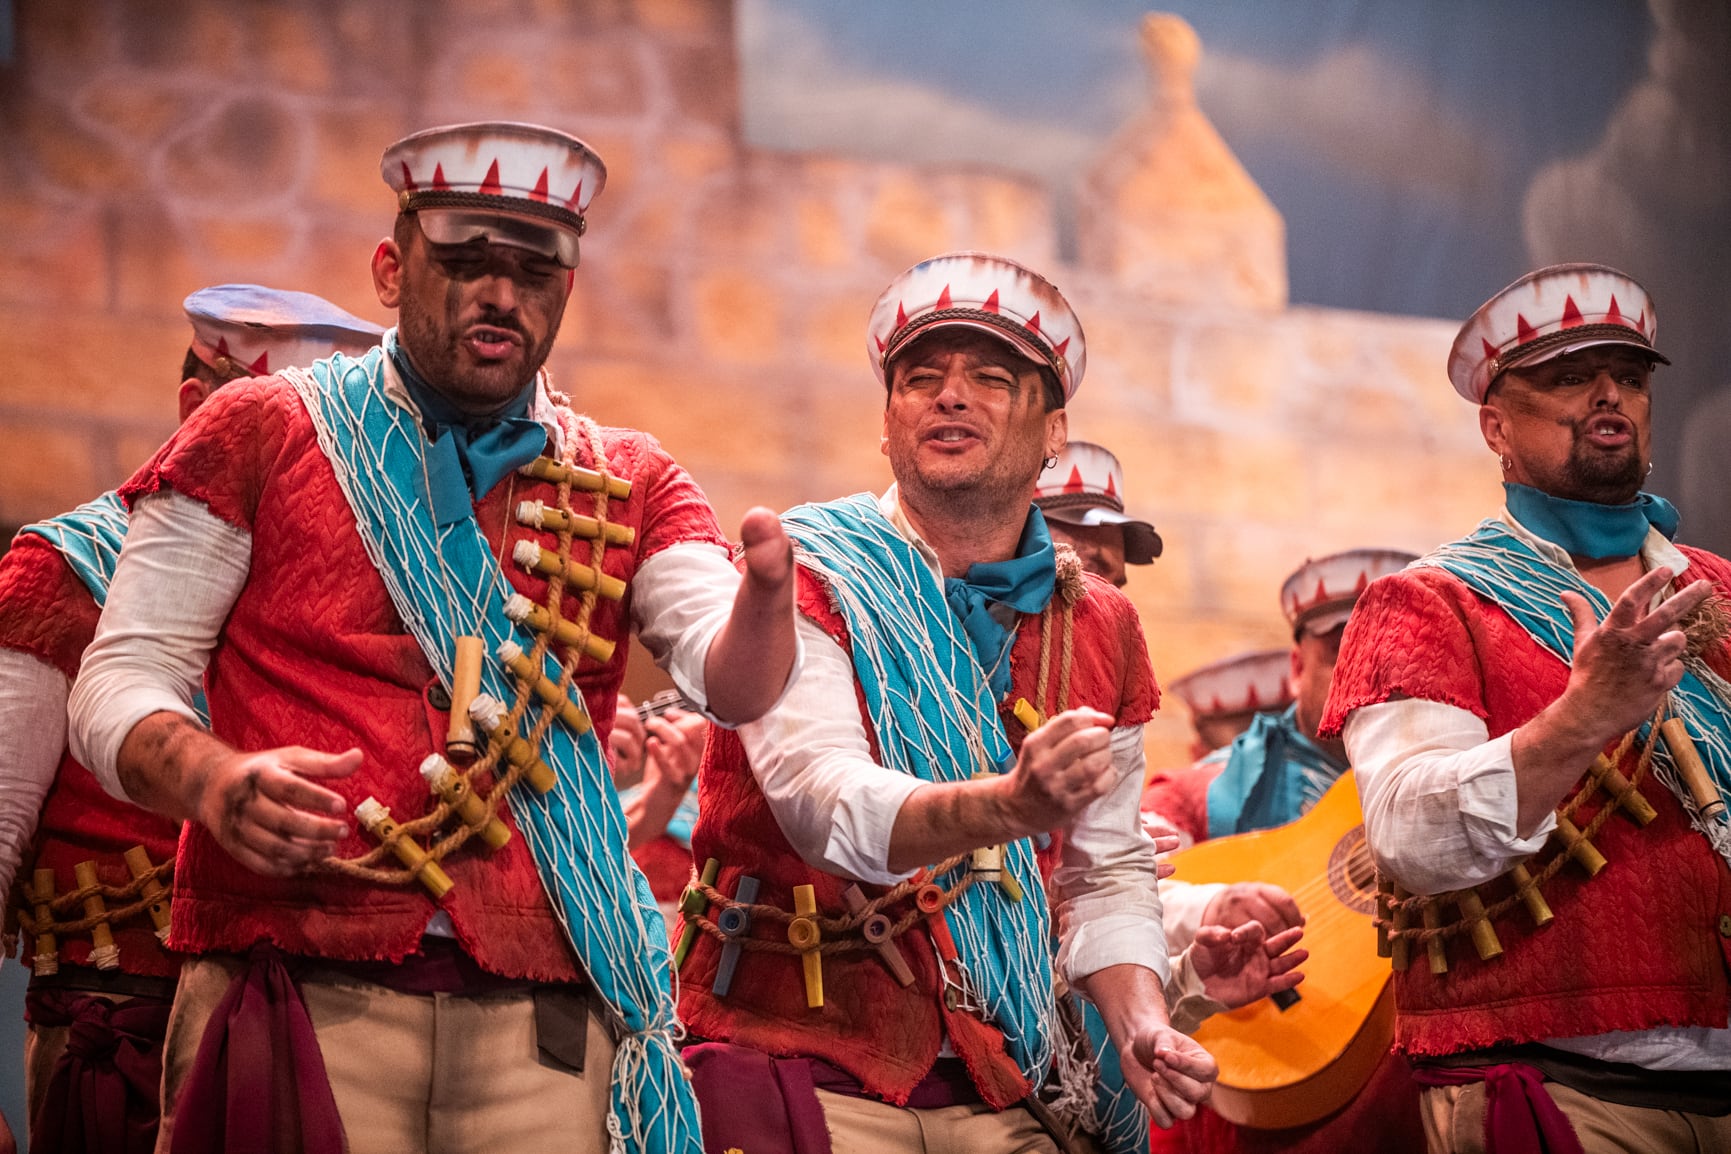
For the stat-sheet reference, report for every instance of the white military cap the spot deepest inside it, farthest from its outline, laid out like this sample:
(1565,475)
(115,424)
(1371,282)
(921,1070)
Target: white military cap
(1320,594)
(1085,486)
(247,330)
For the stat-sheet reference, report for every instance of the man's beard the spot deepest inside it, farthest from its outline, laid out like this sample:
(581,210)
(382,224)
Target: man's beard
(1589,475)
(469,387)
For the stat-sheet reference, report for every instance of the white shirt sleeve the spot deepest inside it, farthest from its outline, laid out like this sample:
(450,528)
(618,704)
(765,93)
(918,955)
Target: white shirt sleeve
(180,572)
(1105,902)
(680,599)
(33,717)
(1182,905)
(1438,794)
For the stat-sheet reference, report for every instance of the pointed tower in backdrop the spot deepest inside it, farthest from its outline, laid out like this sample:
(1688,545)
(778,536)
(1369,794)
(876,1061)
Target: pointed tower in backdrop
(1168,211)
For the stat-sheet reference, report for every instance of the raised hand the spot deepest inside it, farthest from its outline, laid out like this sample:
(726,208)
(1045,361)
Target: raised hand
(1245,964)
(1624,665)
(1064,767)
(750,660)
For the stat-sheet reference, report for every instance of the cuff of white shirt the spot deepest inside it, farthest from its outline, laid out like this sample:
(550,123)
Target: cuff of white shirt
(1187,1002)
(1113,940)
(100,752)
(864,817)
(1182,905)
(1490,804)
(688,661)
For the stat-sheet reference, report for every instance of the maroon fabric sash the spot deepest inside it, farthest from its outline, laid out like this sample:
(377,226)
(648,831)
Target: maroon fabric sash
(258,1084)
(1520,1117)
(103,1094)
(754,1102)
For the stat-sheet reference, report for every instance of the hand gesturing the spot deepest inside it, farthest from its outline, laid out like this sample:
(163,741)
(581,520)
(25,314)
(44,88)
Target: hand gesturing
(1624,665)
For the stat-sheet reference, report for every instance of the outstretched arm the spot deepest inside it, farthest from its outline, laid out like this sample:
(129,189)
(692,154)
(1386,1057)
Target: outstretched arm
(1170,1072)
(751,658)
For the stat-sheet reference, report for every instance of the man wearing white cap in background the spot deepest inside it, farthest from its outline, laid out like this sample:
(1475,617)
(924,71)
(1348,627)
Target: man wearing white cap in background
(1225,696)
(1081,494)
(966,740)
(1499,701)
(410,932)
(107,977)
(1271,774)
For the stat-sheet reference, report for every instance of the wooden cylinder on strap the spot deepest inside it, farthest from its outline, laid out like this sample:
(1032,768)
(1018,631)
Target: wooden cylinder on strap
(570,711)
(587,480)
(455,791)
(1400,949)
(1537,907)
(104,954)
(376,819)
(1612,781)
(1384,909)
(532,616)
(1585,853)
(536,515)
(547,563)
(489,713)
(1484,935)
(138,861)
(1434,945)
(47,960)
(465,684)
(1708,803)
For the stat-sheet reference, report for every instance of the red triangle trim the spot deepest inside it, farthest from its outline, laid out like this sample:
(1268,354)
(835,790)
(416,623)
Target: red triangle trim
(1614,315)
(1523,331)
(439,184)
(1034,323)
(943,299)
(991,305)
(490,182)
(408,178)
(539,192)
(1571,313)
(1075,484)
(576,197)
(261,366)
(901,317)
(1490,349)
(1111,490)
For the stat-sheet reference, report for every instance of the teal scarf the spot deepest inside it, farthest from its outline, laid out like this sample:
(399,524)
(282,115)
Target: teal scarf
(1023,583)
(469,455)
(1587,529)
(1273,775)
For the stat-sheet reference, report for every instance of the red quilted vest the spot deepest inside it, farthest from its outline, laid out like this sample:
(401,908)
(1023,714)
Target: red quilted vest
(882,1034)
(46,611)
(1181,796)
(314,654)
(1642,945)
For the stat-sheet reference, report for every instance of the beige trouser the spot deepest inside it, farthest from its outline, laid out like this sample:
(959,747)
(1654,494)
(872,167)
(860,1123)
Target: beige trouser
(867,1126)
(1454,1123)
(440,1073)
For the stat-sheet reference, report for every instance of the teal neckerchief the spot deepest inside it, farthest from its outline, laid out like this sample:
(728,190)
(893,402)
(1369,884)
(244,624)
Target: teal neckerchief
(1024,583)
(445,583)
(1507,571)
(934,713)
(469,455)
(1586,529)
(1273,775)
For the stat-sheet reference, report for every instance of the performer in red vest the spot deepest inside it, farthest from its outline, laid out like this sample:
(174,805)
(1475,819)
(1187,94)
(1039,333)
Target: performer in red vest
(106,976)
(1540,721)
(871,948)
(404,884)
(1271,774)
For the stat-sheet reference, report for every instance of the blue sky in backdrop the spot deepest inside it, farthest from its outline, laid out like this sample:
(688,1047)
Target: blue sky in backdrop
(1423,152)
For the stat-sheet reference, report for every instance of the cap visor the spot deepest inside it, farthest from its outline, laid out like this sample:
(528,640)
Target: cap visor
(1552,354)
(461,226)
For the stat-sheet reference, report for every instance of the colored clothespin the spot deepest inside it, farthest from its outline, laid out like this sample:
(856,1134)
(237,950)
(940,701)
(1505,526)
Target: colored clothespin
(489,713)
(376,820)
(988,862)
(571,712)
(104,954)
(465,685)
(930,900)
(138,862)
(1384,908)
(47,960)
(876,930)
(1708,802)
(1030,717)
(692,903)
(457,793)
(587,480)
(735,922)
(532,616)
(1434,946)
(1400,949)
(547,563)
(804,934)
(536,515)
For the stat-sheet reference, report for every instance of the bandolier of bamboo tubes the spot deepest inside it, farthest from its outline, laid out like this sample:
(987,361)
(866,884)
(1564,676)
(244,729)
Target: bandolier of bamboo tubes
(136,897)
(367,867)
(1395,908)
